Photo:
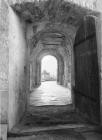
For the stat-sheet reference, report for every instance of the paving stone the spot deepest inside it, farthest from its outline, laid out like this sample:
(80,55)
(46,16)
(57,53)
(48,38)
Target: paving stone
(50,93)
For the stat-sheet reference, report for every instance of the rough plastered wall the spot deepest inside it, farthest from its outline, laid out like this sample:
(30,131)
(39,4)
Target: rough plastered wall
(3,61)
(17,68)
(3,69)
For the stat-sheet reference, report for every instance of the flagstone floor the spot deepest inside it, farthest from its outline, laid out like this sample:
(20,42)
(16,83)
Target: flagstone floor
(50,93)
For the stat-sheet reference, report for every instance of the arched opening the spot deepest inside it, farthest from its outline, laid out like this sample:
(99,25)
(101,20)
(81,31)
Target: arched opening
(49,68)
(78,57)
(49,88)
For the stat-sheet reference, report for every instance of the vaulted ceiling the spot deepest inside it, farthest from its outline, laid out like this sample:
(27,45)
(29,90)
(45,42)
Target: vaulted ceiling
(51,10)
(61,20)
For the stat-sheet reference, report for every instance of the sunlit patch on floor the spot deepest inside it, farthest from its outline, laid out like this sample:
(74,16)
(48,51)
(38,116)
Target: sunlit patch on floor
(50,93)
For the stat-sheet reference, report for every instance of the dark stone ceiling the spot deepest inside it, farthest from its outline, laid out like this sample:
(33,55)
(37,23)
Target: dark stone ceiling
(57,15)
(56,11)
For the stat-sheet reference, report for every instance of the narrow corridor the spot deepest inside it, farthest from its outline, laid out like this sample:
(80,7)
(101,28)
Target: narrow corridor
(50,93)
(70,32)
(51,116)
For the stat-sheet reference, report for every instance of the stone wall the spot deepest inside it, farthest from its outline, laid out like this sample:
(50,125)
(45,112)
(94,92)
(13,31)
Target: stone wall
(87,94)
(12,66)
(91,4)
(3,61)
(99,42)
(17,68)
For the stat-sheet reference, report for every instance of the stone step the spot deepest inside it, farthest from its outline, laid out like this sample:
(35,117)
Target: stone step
(26,131)
(79,132)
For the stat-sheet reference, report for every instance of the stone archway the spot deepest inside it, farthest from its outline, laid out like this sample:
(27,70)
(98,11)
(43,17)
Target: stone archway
(44,40)
(60,70)
(37,65)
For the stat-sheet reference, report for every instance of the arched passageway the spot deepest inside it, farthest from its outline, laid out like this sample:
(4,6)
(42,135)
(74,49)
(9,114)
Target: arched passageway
(63,77)
(60,61)
(71,34)
(50,93)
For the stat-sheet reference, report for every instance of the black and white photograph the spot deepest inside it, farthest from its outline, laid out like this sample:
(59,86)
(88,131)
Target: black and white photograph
(50,69)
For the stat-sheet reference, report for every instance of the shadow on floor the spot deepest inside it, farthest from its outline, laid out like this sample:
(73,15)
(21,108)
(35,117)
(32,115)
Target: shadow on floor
(51,115)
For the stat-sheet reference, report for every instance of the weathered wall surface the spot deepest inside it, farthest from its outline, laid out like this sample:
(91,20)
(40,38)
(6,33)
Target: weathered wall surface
(99,43)
(17,68)
(3,61)
(87,96)
(100,51)
(91,4)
